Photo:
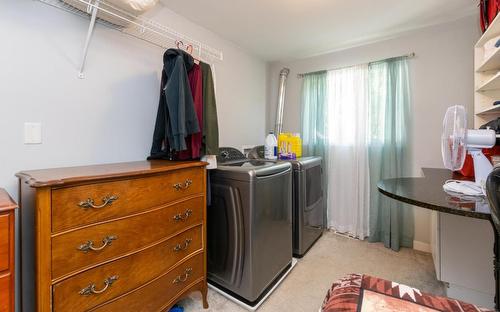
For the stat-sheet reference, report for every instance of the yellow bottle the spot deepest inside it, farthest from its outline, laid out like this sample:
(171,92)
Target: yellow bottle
(282,143)
(289,143)
(297,145)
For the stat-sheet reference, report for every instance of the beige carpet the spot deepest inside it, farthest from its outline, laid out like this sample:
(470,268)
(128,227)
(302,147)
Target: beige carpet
(332,257)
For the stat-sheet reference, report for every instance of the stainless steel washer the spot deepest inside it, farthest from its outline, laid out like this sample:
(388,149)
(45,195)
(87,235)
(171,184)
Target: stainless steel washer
(249,225)
(309,201)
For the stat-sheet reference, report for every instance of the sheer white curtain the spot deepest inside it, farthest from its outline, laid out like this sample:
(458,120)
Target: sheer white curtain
(348,167)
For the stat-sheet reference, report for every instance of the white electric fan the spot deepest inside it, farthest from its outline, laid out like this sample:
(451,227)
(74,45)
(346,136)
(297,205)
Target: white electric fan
(456,140)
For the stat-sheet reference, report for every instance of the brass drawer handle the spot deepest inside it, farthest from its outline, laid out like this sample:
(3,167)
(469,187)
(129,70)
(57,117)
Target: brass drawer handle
(183,216)
(180,247)
(89,245)
(184,277)
(90,289)
(181,186)
(89,202)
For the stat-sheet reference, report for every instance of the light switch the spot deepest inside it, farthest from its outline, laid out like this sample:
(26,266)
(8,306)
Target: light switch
(32,133)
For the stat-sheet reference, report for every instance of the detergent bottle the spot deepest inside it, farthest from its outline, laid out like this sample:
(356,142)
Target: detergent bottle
(297,145)
(271,146)
(283,145)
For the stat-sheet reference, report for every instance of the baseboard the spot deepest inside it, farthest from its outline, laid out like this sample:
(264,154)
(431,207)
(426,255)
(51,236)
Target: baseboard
(346,235)
(417,245)
(421,246)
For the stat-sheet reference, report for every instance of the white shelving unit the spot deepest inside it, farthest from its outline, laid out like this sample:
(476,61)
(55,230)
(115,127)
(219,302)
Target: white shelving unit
(486,78)
(491,63)
(489,111)
(100,11)
(491,84)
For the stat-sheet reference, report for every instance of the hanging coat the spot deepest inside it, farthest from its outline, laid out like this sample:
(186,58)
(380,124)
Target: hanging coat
(210,142)
(193,142)
(176,117)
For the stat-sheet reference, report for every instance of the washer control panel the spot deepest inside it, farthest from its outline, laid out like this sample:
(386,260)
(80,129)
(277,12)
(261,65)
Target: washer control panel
(227,154)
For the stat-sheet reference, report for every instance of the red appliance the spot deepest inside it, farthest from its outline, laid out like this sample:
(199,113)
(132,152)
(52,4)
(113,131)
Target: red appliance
(468,167)
(488,11)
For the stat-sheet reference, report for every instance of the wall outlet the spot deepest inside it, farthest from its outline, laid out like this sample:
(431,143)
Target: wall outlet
(32,133)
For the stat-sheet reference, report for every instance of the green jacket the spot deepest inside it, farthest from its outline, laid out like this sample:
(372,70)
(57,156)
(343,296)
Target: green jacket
(210,141)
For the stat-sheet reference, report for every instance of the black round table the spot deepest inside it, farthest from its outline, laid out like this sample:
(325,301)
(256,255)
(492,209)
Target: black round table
(427,192)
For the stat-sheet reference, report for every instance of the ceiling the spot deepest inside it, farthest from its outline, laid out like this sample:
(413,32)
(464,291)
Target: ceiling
(290,29)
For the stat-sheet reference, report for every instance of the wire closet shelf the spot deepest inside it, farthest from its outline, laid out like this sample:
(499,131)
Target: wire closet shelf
(99,11)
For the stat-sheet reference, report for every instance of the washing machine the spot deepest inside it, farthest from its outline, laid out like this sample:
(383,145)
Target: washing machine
(249,226)
(309,202)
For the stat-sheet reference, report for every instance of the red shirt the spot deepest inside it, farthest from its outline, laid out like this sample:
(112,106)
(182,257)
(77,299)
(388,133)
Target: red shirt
(193,141)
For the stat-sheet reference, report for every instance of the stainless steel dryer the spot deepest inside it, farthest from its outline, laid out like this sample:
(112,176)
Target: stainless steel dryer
(249,225)
(309,203)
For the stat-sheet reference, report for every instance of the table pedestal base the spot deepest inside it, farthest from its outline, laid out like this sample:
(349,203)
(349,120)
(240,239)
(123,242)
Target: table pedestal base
(496,266)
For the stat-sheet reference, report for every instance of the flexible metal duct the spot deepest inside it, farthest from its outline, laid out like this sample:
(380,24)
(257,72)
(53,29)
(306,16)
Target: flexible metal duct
(281,101)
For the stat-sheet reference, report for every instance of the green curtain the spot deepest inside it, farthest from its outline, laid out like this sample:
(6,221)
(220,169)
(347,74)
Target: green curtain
(315,120)
(388,148)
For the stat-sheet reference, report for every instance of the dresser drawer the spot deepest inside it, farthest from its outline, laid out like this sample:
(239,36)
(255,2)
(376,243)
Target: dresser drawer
(86,204)
(5,294)
(4,241)
(71,251)
(126,274)
(172,284)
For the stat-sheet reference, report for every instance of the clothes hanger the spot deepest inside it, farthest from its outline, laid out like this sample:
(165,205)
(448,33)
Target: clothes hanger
(188,49)
(179,44)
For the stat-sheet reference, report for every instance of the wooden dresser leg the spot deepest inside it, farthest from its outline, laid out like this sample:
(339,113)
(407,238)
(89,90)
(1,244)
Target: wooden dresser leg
(204,293)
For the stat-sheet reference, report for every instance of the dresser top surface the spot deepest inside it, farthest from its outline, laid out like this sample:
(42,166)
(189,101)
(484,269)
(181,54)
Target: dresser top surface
(6,202)
(68,175)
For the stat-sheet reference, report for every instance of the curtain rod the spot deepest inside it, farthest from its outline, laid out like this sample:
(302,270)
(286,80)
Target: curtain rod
(409,55)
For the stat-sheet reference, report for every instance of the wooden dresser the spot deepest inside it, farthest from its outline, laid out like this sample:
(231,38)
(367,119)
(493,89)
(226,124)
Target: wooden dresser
(117,237)
(7,208)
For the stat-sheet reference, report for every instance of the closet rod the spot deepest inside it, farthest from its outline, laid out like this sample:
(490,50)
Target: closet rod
(144,25)
(409,55)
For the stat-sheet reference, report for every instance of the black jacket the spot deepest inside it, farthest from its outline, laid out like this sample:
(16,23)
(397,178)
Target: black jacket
(176,117)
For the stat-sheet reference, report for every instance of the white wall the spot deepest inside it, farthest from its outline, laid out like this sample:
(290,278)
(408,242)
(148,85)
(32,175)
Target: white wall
(441,75)
(108,116)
